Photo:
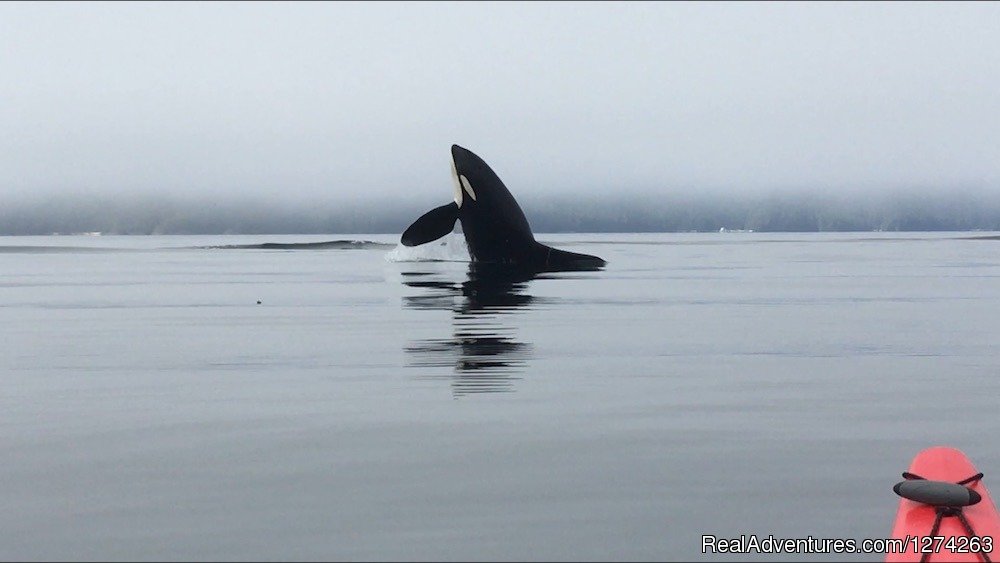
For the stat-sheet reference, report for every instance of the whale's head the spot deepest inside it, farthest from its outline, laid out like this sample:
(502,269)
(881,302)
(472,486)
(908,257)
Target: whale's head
(468,172)
(482,198)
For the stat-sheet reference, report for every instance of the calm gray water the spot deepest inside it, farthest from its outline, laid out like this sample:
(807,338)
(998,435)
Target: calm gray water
(371,408)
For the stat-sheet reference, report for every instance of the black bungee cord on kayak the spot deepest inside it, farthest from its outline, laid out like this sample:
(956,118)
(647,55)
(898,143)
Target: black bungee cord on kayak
(948,499)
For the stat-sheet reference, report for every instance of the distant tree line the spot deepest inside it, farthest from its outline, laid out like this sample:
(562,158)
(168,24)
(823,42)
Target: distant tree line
(775,212)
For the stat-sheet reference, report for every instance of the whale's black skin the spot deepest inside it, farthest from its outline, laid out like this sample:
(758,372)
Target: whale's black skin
(496,230)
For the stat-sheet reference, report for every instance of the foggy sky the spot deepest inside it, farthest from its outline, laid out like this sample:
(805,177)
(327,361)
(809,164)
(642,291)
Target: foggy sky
(346,101)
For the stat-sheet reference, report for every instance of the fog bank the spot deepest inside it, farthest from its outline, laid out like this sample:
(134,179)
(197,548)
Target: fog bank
(902,210)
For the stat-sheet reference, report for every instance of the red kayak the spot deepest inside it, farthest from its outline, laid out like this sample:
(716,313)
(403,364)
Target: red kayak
(945,513)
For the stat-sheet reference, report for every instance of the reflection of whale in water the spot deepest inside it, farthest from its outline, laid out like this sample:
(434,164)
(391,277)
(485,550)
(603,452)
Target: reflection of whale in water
(484,354)
(496,230)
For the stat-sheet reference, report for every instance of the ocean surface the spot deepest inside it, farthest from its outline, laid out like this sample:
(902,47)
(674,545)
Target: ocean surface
(338,397)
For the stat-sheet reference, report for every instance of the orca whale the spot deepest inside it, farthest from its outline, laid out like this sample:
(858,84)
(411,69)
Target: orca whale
(496,230)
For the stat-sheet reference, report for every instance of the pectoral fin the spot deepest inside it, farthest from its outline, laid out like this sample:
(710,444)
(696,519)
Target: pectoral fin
(432,225)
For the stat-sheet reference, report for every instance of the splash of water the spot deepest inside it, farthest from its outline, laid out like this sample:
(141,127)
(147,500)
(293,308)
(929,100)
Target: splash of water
(451,248)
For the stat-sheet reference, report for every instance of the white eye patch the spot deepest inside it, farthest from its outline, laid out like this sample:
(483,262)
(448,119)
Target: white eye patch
(468,187)
(458,188)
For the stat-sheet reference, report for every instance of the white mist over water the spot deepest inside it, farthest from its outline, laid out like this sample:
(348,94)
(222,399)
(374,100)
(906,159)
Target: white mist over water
(294,101)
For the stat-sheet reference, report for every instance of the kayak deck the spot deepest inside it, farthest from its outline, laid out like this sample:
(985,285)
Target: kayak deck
(951,541)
